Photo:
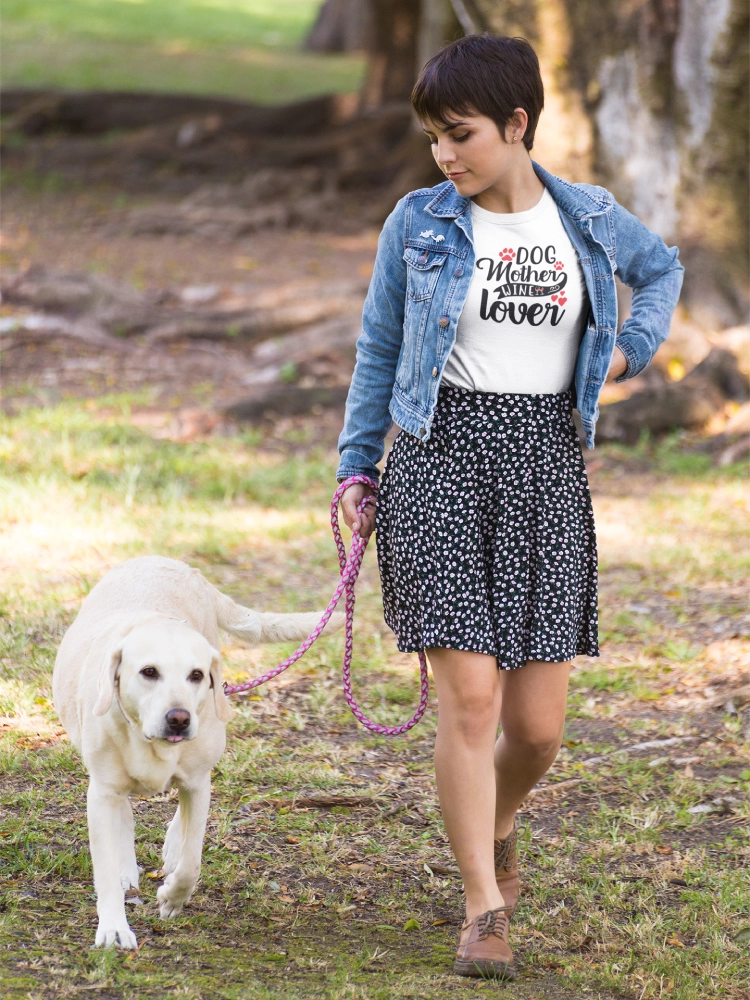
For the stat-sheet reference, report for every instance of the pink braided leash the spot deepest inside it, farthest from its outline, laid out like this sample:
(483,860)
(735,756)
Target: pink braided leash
(350,567)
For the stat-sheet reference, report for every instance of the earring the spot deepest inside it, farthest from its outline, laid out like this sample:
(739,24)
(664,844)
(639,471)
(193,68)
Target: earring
(515,138)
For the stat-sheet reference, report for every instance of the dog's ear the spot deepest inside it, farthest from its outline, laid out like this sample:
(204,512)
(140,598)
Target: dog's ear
(223,708)
(107,674)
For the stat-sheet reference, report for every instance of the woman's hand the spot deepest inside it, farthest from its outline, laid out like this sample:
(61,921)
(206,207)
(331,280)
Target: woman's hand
(363,523)
(617,366)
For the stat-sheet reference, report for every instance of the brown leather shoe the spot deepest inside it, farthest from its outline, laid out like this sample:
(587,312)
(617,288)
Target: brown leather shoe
(483,949)
(506,869)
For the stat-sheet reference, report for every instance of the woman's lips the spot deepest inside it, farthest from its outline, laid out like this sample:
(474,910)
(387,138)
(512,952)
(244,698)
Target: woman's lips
(457,173)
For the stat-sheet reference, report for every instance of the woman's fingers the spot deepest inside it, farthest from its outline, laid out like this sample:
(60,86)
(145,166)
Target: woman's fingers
(367,519)
(363,523)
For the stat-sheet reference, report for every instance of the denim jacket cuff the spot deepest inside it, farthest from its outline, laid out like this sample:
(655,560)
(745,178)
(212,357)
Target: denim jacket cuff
(355,464)
(635,365)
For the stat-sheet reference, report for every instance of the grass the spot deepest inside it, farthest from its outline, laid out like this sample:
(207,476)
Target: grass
(626,892)
(235,48)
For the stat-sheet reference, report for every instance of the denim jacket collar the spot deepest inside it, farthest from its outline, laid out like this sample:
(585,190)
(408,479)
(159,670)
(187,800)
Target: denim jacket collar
(574,201)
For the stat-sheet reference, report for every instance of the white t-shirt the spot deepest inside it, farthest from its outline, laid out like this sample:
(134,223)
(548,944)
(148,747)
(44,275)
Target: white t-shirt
(526,308)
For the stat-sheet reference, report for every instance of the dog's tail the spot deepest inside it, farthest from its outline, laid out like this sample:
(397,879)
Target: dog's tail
(256,626)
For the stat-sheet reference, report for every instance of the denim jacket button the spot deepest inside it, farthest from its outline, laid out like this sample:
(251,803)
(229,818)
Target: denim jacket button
(458,272)
(434,372)
(444,321)
(422,259)
(422,432)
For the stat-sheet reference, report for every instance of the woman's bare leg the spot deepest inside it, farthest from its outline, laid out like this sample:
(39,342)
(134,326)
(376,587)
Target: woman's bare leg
(532,717)
(469,695)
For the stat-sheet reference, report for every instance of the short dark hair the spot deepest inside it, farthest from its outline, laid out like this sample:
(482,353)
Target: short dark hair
(482,74)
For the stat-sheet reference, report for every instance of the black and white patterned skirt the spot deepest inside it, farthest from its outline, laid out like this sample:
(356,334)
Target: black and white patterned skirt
(485,532)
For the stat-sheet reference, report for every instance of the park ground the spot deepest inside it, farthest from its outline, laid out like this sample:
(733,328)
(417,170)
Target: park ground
(326,871)
(627,892)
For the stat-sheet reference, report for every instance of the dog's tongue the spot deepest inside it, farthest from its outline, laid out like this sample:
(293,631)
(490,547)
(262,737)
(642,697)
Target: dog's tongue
(174,739)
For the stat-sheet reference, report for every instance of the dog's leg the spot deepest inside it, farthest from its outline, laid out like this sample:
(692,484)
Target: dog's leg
(179,885)
(105,815)
(172,843)
(129,870)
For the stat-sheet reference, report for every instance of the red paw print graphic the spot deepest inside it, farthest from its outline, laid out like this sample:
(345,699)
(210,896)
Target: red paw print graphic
(559,265)
(507,254)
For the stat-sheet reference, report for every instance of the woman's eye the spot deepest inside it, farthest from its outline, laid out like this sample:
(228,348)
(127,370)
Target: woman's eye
(150,672)
(462,138)
(196,675)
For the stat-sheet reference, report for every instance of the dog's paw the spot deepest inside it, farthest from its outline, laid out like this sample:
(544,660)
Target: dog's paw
(171,898)
(111,933)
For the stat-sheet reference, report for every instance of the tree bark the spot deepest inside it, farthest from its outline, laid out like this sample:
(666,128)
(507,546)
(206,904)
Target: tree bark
(341,26)
(392,67)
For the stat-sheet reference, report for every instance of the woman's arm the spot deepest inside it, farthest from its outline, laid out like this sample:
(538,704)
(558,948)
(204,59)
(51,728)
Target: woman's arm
(653,271)
(368,419)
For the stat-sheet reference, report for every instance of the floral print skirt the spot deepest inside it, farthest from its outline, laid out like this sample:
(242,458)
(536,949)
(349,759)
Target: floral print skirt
(485,532)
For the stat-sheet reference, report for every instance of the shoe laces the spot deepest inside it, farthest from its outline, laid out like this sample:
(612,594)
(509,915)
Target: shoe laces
(493,922)
(504,849)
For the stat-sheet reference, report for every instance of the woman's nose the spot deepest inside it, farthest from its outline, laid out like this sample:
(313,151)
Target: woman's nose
(445,154)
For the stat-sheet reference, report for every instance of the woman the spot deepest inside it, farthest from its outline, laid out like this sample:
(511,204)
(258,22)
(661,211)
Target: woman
(491,312)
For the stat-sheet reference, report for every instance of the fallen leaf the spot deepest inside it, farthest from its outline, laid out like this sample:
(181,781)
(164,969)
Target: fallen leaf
(743,935)
(412,925)
(439,923)
(286,899)
(155,875)
(675,942)
(663,849)
(292,840)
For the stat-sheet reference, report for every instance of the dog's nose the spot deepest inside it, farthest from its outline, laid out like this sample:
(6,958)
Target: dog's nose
(178,719)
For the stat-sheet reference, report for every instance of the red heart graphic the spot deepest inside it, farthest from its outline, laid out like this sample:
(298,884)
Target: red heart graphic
(554,298)
(562,301)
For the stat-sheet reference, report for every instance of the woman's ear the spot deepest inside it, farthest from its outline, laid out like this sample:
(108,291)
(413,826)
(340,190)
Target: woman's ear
(224,711)
(107,674)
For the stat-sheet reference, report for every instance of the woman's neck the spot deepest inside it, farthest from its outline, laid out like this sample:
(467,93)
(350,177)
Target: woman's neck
(517,189)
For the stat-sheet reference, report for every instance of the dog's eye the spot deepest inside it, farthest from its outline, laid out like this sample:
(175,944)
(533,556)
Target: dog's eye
(150,672)
(196,675)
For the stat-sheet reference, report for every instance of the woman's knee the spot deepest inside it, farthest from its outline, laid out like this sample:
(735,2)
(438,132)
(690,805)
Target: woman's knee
(540,744)
(472,717)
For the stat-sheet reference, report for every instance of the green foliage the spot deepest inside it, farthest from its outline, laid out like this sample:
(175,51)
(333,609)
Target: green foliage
(241,48)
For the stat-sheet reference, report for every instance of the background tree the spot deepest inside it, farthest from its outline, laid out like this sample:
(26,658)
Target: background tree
(649,99)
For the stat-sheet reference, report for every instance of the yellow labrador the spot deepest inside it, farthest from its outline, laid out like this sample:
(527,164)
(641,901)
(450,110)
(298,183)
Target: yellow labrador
(138,687)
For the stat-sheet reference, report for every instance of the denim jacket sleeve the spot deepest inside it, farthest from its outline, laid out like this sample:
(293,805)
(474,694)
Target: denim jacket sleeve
(367,419)
(653,271)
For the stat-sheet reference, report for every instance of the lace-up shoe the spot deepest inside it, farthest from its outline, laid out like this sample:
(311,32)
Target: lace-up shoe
(483,949)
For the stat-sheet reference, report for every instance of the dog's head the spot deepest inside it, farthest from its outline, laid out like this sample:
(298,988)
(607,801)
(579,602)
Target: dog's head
(163,675)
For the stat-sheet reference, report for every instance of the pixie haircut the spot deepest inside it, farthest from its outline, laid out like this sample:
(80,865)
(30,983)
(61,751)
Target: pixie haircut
(485,75)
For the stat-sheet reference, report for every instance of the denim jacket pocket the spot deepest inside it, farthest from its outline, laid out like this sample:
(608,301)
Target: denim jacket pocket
(423,270)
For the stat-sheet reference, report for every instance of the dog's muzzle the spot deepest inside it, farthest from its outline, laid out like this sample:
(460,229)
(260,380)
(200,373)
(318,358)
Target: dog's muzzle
(177,725)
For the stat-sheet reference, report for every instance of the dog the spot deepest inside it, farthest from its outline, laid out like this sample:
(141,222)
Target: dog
(138,687)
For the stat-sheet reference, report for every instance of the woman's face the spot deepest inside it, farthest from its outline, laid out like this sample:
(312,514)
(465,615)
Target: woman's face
(472,153)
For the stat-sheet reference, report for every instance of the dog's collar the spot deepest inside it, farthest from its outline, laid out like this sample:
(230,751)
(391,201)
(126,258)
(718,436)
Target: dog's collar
(120,705)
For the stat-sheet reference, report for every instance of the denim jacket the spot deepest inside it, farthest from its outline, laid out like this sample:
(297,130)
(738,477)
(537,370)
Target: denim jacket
(423,270)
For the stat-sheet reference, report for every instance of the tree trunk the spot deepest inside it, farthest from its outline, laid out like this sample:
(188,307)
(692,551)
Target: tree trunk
(392,67)
(341,26)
